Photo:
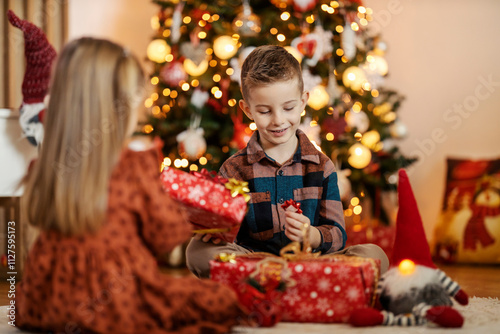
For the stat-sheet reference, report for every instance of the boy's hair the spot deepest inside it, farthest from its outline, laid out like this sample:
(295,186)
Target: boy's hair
(268,64)
(95,87)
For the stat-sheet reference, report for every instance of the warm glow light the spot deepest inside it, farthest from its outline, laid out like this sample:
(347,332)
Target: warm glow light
(202,35)
(354,201)
(203,161)
(359,156)
(218,94)
(285,16)
(370,139)
(232,102)
(166,92)
(148,103)
(155,80)
(406,267)
(216,78)
(225,47)
(357,209)
(273,31)
(157,50)
(185,87)
(330,136)
(193,168)
(184,163)
(167,162)
(354,77)
(148,128)
(339,29)
(318,97)
(281,37)
(253,126)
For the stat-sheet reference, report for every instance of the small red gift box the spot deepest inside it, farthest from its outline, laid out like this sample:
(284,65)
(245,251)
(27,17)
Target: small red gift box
(326,289)
(214,205)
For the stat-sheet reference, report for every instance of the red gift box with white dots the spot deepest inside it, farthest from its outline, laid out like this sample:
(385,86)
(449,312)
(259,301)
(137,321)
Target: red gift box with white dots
(208,203)
(327,289)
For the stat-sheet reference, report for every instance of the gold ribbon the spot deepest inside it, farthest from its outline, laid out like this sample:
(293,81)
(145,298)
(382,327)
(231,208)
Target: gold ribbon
(213,230)
(238,188)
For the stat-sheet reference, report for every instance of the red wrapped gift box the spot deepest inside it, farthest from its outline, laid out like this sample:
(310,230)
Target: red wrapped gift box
(210,205)
(380,235)
(327,289)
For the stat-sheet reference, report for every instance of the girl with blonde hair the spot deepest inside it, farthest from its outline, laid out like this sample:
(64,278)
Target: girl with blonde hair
(103,215)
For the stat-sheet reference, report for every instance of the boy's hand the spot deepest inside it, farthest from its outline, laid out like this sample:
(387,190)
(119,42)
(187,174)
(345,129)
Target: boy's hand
(207,238)
(293,228)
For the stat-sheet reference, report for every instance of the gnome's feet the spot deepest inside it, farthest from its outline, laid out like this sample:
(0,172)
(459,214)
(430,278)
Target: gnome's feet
(366,316)
(445,316)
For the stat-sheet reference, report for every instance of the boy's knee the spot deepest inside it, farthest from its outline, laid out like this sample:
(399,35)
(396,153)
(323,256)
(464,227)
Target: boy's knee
(371,251)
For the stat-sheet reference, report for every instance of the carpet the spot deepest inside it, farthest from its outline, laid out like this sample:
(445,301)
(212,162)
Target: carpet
(482,315)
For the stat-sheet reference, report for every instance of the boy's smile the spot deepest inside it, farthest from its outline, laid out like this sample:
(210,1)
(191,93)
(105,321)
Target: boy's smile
(276,108)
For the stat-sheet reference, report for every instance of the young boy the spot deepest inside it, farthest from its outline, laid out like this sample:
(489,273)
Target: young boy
(280,163)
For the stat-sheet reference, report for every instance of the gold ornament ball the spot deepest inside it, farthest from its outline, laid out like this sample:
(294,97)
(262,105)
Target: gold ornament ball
(370,139)
(225,47)
(195,70)
(359,156)
(157,50)
(318,97)
(354,77)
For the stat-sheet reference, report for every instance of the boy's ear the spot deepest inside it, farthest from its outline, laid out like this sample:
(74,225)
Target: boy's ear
(305,98)
(246,109)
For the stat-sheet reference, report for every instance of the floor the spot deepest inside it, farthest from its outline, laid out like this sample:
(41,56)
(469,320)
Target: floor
(479,281)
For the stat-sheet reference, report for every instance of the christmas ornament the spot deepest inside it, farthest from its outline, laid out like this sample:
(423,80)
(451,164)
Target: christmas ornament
(310,80)
(173,73)
(348,41)
(195,70)
(344,184)
(398,129)
(191,143)
(241,133)
(318,98)
(199,98)
(358,120)
(195,50)
(157,50)
(359,156)
(40,56)
(370,139)
(335,126)
(304,5)
(246,23)
(354,78)
(175,30)
(413,291)
(225,47)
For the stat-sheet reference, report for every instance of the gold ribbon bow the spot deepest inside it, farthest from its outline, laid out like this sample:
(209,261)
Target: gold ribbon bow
(238,188)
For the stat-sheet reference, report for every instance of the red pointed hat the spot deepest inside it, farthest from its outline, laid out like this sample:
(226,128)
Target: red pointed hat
(410,242)
(40,56)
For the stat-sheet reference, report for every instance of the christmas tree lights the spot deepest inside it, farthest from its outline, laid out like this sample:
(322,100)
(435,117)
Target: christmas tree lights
(198,48)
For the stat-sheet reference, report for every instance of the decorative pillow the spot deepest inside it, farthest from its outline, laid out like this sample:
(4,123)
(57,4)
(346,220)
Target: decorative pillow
(468,230)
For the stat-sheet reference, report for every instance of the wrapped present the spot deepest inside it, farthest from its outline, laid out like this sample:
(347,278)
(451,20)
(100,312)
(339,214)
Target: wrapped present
(380,235)
(215,205)
(325,288)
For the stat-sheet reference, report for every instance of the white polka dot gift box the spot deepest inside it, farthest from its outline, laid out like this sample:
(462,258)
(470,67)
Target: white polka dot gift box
(324,289)
(215,205)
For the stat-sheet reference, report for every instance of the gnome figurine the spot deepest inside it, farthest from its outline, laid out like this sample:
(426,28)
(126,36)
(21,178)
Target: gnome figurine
(413,291)
(40,56)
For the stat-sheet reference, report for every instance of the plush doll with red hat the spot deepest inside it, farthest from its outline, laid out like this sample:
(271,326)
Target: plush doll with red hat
(40,56)
(413,291)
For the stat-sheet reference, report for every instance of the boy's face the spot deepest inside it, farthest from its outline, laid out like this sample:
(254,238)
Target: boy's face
(276,110)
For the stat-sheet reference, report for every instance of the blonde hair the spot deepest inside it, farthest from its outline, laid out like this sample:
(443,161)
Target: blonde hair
(95,88)
(268,64)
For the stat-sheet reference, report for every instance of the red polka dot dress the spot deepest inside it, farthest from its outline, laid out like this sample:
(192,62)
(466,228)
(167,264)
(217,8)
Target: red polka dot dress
(109,282)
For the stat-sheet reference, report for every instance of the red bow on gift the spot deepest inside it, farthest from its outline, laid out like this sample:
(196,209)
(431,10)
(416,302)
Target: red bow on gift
(292,203)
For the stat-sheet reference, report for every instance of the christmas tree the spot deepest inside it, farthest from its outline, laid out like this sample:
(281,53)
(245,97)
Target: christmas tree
(198,50)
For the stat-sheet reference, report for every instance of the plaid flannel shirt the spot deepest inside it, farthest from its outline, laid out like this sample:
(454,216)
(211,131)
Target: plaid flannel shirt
(309,178)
